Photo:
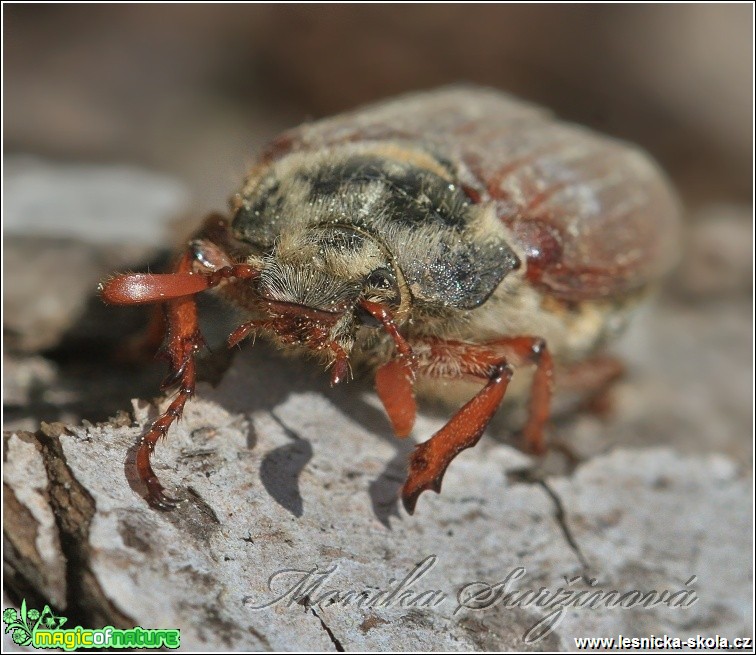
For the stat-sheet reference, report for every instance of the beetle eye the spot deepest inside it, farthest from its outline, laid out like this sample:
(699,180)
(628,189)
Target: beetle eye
(380,286)
(381,278)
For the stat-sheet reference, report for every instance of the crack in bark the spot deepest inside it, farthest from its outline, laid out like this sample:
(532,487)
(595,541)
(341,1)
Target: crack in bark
(23,567)
(338,645)
(73,508)
(561,517)
(560,514)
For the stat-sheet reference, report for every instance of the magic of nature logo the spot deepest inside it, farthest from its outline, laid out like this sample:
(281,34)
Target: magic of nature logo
(44,629)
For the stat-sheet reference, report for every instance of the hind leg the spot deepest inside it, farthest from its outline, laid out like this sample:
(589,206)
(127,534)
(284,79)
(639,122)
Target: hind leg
(591,382)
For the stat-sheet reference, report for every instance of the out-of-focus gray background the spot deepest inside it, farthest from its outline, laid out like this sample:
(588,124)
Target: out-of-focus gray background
(193,90)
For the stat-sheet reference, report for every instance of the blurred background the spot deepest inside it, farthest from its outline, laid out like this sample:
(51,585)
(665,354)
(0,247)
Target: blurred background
(118,118)
(194,90)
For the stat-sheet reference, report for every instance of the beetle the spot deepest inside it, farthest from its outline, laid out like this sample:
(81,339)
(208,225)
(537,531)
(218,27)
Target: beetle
(437,238)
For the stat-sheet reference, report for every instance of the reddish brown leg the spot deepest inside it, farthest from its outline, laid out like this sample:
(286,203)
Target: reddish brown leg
(490,360)
(394,383)
(395,380)
(520,351)
(540,397)
(437,358)
(207,257)
(339,366)
(240,333)
(430,459)
(184,339)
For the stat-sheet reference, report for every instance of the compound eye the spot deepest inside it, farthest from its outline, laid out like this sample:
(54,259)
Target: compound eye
(380,286)
(381,279)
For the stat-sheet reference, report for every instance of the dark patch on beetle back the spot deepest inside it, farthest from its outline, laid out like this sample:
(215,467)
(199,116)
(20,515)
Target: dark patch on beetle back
(413,196)
(257,220)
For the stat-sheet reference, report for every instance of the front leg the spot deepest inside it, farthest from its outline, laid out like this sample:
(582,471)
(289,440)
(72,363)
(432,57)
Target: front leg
(490,361)
(183,341)
(203,266)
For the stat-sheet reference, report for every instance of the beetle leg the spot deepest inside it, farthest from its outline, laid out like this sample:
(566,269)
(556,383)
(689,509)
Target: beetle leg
(430,459)
(490,361)
(240,333)
(532,350)
(207,257)
(203,266)
(340,365)
(184,339)
(395,380)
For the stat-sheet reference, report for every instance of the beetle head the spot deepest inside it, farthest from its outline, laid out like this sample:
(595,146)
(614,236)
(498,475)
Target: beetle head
(313,286)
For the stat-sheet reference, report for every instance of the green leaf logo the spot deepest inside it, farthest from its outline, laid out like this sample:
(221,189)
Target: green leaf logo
(22,624)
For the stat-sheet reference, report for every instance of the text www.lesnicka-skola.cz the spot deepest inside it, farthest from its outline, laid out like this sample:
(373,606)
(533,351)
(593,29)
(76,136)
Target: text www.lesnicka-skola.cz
(663,642)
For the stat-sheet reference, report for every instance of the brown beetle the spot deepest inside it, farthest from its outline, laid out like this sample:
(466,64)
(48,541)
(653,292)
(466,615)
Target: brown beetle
(442,236)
